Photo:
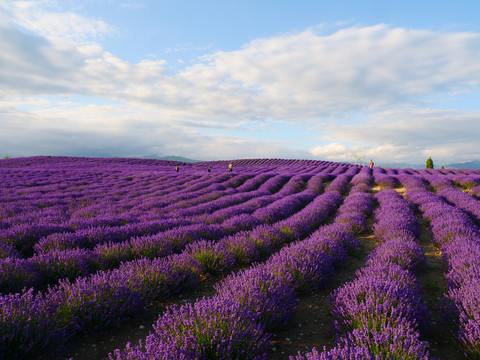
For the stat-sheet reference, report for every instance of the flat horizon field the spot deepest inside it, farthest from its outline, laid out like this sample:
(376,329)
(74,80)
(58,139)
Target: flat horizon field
(124,258)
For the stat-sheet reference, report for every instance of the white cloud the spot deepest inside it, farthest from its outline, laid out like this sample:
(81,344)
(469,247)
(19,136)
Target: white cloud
(333,151)
(380,73)
(408,136)
(384,152)
(56,127)
(36,16)
(304,75)
(297,78)
(427,126)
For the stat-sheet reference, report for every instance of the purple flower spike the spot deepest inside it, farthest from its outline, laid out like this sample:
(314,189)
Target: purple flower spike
(301,266)
(215,328)
(211,257)
(408,254)
(263,294)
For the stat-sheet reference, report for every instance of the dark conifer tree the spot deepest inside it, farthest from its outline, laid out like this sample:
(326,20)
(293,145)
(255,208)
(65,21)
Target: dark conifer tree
(429,163)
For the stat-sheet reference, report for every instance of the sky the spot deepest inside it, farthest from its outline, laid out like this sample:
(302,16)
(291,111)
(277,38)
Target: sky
(392,81)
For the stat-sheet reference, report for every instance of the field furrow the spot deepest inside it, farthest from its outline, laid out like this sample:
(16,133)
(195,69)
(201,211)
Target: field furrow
(275,259)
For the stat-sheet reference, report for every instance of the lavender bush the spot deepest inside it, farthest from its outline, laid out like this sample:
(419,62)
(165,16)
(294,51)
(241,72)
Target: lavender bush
(87,243)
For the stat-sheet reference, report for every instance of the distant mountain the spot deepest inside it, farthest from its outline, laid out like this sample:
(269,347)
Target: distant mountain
(400,165)
(171,158)
(465,165)
(394,165)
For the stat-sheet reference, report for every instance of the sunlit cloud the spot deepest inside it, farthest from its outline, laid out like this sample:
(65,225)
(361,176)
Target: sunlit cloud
(298,77)
(367,86)
(38,17)
(408,135)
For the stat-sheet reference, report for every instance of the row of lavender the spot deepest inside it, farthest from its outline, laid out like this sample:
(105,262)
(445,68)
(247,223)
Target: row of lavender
(189,202)
(113,245)
(458,237)
(399,256)
(380,313)
(237,322)
(27,219)
(107,200)
(107,297)
(40,212)
(51,262)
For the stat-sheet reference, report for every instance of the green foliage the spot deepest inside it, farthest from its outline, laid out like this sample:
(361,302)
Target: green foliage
(432,285)
(429,163)
(8,157)
(469,184)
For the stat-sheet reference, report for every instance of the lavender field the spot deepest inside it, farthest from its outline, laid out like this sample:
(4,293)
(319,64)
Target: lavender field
(295,259)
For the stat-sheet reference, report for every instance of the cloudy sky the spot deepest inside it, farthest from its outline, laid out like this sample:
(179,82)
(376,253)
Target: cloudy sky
(394,81)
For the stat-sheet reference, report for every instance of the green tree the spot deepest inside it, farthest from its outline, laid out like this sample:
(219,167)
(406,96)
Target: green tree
(429,163)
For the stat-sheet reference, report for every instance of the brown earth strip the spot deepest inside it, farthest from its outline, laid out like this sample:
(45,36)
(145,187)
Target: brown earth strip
(310,326)
(312,323)
(434,284)
(97,347)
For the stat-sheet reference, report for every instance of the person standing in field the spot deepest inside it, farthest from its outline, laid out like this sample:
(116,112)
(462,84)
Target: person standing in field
(230,167)
(371,164)
(176,168)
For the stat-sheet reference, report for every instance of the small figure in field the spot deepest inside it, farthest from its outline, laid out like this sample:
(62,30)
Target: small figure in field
(208,170)
(314,163)
(176,168)
(230,167)
(371,164)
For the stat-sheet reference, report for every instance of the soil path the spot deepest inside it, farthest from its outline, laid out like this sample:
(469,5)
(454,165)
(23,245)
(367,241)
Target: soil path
(312,323)
(434,284)
(97,347)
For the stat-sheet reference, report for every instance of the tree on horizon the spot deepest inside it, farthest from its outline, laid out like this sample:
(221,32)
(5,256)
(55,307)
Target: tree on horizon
(429,163)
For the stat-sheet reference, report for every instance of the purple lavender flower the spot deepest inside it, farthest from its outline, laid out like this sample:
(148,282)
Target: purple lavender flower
(68,264)
(243,247)
(301,266)
(7,250)
(408,254)
(465,302)
(27,326)
(388,342)
(215,328)
(337,353)
(378,295)
(210,257)
(270,300)
(16,274)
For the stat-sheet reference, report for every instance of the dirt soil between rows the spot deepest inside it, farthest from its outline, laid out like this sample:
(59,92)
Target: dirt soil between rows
(311,325)
(97,347)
